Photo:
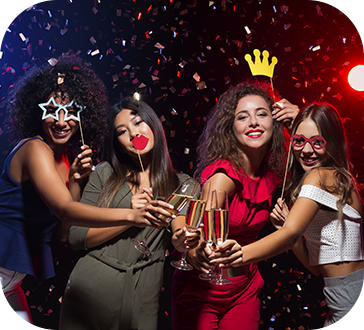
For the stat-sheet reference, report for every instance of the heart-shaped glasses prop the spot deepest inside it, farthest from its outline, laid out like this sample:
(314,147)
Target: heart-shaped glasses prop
(194,217)
(299,141)
(178,199)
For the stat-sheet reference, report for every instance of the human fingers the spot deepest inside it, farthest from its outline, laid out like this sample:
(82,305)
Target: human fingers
(85,150)
(198,259)
(277,215)
(162,204)
(192,239)
(226,246)
(233,259)
(146,191)
(286,112)
(161,216)
(178,238)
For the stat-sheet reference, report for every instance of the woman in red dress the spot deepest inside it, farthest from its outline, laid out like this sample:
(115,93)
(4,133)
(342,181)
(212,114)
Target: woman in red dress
(242,150)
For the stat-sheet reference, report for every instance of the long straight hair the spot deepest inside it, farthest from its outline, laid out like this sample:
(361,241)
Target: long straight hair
(163,178)
(330,127)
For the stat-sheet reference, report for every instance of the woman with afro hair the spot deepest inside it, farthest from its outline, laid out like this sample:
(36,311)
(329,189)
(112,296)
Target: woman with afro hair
(51,110)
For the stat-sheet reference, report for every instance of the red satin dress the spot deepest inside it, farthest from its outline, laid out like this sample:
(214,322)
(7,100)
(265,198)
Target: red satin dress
(198,305)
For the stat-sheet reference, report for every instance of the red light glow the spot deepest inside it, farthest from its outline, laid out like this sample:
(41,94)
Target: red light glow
(356,78)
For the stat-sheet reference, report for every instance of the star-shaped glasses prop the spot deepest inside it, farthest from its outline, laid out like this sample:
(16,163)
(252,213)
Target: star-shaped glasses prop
(52,109)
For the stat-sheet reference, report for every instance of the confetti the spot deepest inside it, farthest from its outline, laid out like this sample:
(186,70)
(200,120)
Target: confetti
(180,56)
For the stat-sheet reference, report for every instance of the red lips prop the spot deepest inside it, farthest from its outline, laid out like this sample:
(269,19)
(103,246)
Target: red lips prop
(140,142)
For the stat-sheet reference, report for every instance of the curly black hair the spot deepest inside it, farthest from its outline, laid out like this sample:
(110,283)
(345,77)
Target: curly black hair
(23,115)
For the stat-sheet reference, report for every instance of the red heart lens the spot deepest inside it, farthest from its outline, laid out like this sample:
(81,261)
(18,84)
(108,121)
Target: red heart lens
(140,142)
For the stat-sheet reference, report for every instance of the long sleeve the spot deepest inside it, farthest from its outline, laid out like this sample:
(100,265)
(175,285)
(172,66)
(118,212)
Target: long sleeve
(77,234)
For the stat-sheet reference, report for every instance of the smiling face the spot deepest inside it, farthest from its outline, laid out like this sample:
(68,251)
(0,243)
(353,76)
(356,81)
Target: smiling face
(58,132)
(128,125)
(253,123)
(307,156)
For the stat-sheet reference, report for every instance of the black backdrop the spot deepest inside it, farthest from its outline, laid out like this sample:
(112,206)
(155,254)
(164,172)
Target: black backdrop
(160,49)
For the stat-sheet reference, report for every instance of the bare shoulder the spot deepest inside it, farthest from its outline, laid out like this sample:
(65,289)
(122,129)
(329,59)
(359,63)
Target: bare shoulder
(320,176)
(221,181)
(31,153)
(35,150)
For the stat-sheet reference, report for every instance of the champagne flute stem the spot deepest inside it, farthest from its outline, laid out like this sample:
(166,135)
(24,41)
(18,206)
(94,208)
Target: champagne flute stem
(184,256)
(146,237)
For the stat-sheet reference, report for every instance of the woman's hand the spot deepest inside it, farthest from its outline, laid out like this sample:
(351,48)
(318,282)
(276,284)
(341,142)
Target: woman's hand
(150,209)
(82,165)
(228,254)
(141,198)
(285,111)
(184,240)
(199,257)
(279,214)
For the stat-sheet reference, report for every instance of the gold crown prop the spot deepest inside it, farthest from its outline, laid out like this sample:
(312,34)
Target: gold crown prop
(262,68)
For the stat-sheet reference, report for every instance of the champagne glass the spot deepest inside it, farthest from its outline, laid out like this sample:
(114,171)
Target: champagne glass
(194,215)
(209,240)
(219,223)
(178,199)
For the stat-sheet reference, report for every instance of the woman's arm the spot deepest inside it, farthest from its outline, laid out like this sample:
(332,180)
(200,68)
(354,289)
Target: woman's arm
(278,217)
(232,254)
(143,198)
(37,163)
(301,252)
(80,169)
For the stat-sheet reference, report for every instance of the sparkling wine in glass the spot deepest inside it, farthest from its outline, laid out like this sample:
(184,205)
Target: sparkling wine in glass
(219,226)
(209,240)
(178,199)
(194,216)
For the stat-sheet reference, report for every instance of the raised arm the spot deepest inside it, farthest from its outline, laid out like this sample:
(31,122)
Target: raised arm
(232,254)
(37,163)
(285,111)
(278,217)
(142,199)
(80,170)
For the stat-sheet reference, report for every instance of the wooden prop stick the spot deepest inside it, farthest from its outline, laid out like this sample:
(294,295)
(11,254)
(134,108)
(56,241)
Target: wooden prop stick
(83,141)
(285,172)
(271,82)
(141,164)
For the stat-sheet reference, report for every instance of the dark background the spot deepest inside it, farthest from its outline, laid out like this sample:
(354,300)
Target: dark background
(156,48)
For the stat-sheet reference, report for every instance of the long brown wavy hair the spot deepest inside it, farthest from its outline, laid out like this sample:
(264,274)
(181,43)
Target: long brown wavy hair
(218,141)
(163,178)
(330,127)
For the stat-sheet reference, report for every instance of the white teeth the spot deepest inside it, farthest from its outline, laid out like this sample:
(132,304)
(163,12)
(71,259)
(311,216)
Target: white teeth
(309,160)
(255,133)
(60,132)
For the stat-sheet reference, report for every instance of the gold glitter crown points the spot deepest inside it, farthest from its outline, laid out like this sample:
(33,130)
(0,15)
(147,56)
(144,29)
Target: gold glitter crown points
(261,67)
